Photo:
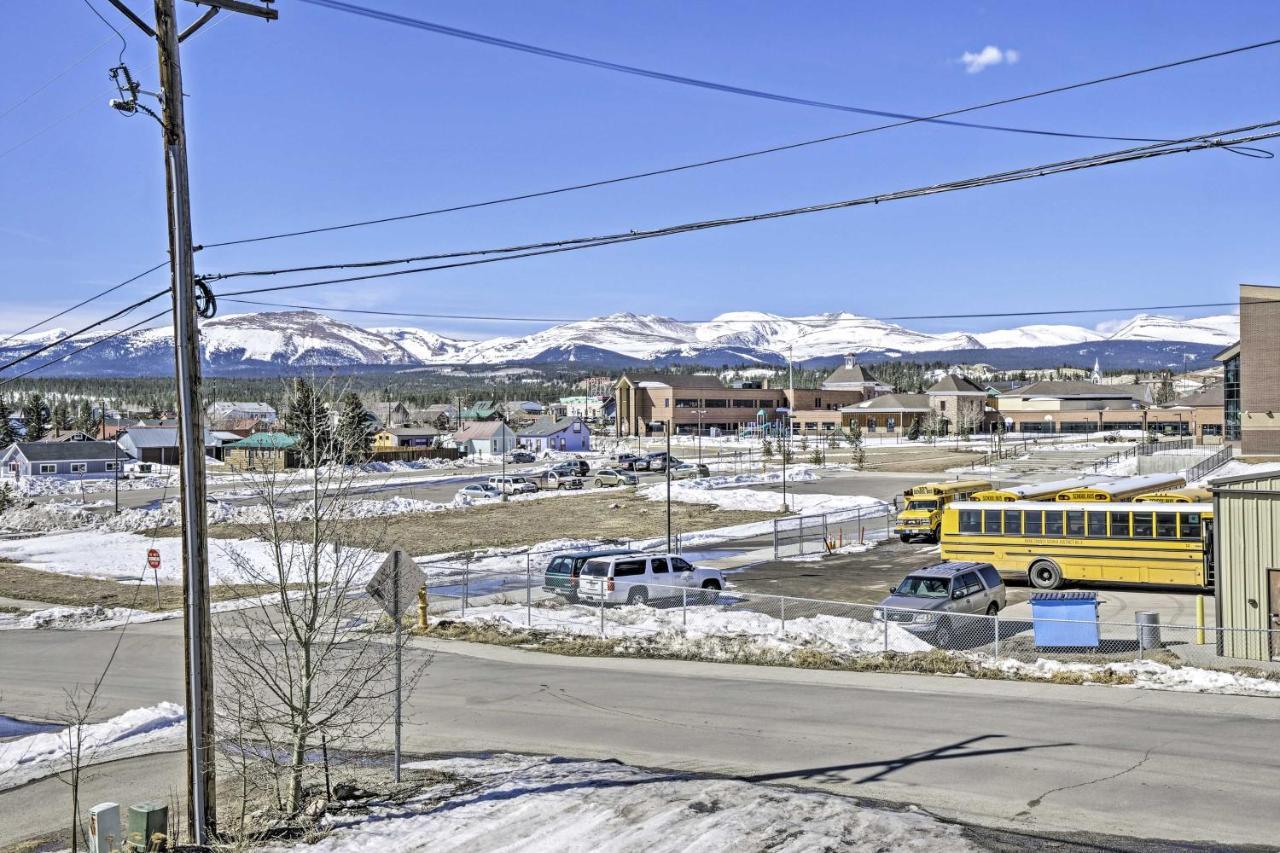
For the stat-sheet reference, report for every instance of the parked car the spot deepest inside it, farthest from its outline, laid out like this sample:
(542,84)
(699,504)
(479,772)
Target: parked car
(632,462)
(574,467)
(512,484)
(658,461)
(553,479)
(930,595)
(561,576)
(519,457)
(640,578)
(479,492)
(686,470)
(615,477)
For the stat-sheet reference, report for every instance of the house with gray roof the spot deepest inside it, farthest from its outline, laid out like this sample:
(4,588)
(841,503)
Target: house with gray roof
(567,434)
(159,444)
(64,459)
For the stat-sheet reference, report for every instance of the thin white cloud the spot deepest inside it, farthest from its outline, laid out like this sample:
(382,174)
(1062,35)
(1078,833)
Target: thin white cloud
(988,56)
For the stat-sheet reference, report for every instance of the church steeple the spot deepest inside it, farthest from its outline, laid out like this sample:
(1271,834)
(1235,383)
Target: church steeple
(1097,372)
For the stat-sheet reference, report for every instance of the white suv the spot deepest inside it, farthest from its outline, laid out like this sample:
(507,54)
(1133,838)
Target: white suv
(512,485)
(639,579)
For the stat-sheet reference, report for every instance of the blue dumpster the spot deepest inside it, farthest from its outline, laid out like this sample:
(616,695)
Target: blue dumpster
(1065,619)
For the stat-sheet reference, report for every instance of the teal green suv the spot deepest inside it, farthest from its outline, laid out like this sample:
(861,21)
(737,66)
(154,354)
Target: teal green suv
(561,576)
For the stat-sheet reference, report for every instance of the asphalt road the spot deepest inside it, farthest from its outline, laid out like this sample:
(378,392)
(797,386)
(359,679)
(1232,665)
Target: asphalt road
(1040,757)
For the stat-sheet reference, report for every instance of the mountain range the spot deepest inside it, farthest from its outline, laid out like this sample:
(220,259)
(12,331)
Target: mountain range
(290,341)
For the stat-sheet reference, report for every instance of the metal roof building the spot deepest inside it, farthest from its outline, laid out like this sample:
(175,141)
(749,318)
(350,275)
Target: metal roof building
(1246,513)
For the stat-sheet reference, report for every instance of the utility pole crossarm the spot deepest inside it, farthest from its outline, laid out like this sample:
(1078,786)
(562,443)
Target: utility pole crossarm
(240,6)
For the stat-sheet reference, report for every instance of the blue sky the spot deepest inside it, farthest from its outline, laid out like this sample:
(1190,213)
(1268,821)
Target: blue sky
(322,117)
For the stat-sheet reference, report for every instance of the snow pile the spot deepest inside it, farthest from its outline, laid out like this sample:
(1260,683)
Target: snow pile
(1236,468)
(142,730)
(525,803)
(753,500)
(96,617)
(48,516)
(1151,675)
(39,486)
(796,474)
(680,630)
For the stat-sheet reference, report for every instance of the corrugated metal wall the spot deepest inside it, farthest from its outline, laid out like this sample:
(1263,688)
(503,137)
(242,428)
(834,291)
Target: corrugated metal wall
(1247,521)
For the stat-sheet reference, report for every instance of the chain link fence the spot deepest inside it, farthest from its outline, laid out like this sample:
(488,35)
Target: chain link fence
(673,614)
(823,533)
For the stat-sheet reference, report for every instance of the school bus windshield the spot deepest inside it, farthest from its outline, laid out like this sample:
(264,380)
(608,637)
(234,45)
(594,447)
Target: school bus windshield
(922,505)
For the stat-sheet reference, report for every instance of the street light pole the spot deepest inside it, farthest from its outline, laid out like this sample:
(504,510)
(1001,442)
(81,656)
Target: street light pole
(667,468)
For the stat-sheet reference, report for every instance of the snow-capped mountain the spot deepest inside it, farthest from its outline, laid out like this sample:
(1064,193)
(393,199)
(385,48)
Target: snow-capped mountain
(268,343)
(426,347)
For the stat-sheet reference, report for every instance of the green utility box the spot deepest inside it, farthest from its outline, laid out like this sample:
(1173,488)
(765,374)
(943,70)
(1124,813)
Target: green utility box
(146,821)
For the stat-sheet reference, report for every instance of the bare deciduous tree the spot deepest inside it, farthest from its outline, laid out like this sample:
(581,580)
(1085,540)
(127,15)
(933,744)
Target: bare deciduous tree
(303,663)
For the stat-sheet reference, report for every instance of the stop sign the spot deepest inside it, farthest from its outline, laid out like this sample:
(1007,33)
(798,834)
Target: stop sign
(153,558)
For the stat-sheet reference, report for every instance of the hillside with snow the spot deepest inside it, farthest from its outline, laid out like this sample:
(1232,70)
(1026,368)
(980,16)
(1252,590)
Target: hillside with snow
(274,342)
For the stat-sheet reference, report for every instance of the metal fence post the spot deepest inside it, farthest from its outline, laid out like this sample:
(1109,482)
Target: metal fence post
(684,607)
(775,539)
(528,589)
(996,617)
(782,610)
(466,580)
(825,538)
(602,596)
(884,614)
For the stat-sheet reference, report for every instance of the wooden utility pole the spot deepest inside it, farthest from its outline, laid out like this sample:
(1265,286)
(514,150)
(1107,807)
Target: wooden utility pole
(198,648)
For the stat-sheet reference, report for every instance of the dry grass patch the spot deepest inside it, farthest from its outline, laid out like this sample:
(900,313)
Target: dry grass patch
(51,588)
(587,516)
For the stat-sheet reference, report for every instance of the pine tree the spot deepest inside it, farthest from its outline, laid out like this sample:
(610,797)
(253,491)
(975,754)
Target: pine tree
(855,442)
(307,419)
(61,417)
(1164,391)
(7,435)
(355,430)
(86,419)
(35,413)
(766,449)
(913,432)
(817,457)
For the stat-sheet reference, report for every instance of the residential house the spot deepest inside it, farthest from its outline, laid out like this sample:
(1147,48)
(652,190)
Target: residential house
(391,413)
(523,409)
(66,459)
(160,444)
(442,415)
(221,412)
(263,451)
(567,434)
(392,438)
(483,439)
(589,407)
(481,410)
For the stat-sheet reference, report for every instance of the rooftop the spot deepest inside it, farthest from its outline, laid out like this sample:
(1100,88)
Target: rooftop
(68,451)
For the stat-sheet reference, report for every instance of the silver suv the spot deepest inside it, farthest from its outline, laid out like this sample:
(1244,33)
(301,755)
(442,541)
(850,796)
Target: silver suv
(927,597)
(639,579)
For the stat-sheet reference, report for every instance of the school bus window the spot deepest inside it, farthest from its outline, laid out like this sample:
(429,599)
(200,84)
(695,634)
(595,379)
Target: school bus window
(970,521)
(1189,522)
(1097,524)
(1120,524)
(1142,525)
(1166,525)
(991,521)
(1033,524)
(1053,523)
(1075,523)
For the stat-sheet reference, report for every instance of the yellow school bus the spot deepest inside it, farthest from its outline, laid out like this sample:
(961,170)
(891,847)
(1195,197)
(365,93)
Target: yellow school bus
(921,515)
(1048,543)
(1036,491)
(1189,495)
(1123,489)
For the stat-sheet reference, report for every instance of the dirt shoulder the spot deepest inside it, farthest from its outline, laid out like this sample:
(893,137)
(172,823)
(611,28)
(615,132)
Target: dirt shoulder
(52,588)
(596,515)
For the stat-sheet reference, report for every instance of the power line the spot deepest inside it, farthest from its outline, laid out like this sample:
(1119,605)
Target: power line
(507,318)
(87,346)
(85,302)
(124,44)
(45,348)
(55,78)
(1200,142)
(508,44)
(908,120)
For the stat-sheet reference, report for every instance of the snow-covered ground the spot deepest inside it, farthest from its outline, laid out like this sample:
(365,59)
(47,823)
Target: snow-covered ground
(678,630)
(1236,468)
(38,486)
(718,495)
(530,804)
(143,730)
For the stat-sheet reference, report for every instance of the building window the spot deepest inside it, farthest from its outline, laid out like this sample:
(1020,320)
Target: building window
(1211,429)
(817,402)
(942,405)
(79,467)
(871,424)
(46,468)
(744,404)
(1231,397)
(113,466)
(716,404)
(686,403)
(890,424)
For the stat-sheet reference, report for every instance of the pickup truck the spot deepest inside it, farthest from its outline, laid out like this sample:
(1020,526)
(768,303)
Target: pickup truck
(641,578)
